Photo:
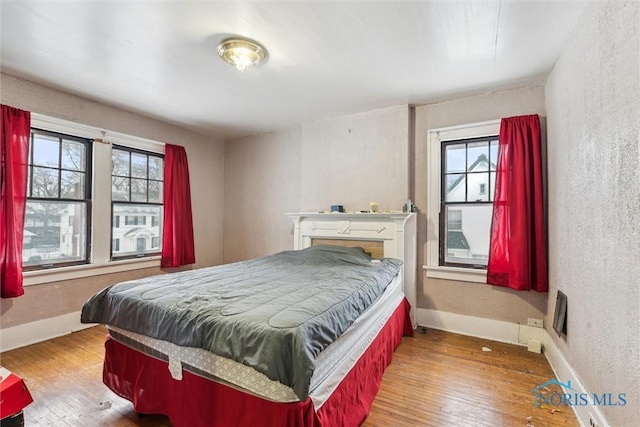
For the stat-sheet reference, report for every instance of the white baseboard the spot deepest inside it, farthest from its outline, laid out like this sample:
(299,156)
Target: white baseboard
(513,333)
(564,372)
(496,330)
(41,330)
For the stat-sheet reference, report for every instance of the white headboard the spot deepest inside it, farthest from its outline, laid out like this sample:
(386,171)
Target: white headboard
(396,231)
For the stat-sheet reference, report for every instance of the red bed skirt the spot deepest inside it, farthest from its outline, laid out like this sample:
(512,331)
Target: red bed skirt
(196,401)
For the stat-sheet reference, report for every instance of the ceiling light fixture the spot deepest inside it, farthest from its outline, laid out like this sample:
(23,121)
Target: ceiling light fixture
(241,53)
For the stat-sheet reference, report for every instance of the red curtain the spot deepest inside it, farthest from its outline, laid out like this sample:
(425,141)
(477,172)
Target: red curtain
(15,128)
(518,252)
(177,237)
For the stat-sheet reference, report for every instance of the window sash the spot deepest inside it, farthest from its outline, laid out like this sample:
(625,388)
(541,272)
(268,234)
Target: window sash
(126,178)
(137,170)
(135,223)
(457,175)
(57,248)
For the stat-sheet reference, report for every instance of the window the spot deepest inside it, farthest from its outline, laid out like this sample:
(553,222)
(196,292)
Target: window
(468,167)
(454,220)
(461,175)
(134,220)
(69,220)
(57,220)
(136,193)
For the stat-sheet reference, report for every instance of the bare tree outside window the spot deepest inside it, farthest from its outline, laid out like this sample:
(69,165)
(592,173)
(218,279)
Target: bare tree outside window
(58,200)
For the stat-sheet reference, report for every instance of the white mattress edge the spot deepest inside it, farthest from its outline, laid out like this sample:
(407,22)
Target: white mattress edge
(342,355)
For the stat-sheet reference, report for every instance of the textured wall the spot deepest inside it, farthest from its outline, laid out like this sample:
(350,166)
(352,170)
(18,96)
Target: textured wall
(262,182)
(593,106)
(350,160)
(206,166)
(356,159)
(471,299)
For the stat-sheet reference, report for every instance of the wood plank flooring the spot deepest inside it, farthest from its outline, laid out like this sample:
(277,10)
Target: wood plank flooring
(436,379)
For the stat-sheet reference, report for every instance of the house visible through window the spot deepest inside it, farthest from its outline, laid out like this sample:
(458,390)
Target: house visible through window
(136,194)
(467,171)
(58,207)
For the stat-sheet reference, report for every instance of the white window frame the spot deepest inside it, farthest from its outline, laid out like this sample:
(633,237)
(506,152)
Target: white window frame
(136,218)
(434,151)
(100,259)
(85,201)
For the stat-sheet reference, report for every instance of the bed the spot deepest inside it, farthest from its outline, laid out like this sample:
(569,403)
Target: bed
(300,338)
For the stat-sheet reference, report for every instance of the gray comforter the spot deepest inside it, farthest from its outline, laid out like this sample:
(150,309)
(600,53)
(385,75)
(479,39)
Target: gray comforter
(274,314)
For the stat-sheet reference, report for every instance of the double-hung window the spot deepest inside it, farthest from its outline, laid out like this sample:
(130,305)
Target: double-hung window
(136,208)
(468,169)
(94,202)
(462,172)
(58,212)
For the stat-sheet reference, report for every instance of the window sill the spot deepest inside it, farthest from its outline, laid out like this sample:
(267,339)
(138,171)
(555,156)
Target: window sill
(456,273)
(38,277)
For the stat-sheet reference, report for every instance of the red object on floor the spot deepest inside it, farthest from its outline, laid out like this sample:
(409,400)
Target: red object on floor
(13,392)
(196,401)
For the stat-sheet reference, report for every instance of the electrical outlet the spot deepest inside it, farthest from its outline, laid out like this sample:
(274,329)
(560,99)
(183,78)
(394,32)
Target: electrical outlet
(536,323)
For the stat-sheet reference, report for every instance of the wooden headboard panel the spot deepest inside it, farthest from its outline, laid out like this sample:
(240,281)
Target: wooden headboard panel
(374,248)
(390,235)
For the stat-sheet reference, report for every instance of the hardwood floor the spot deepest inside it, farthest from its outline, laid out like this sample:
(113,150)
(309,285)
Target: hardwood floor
(436,379)
(445,379)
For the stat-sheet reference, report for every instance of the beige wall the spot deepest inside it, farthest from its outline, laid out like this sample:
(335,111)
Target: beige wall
(262,182)
(350,160)
(471,299)
(593,106)
(356,159)
(206,166)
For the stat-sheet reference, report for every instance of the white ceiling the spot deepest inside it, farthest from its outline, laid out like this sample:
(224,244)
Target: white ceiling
(326,58)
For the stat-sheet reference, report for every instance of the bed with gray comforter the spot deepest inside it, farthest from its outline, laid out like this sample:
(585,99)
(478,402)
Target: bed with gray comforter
(274,313)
